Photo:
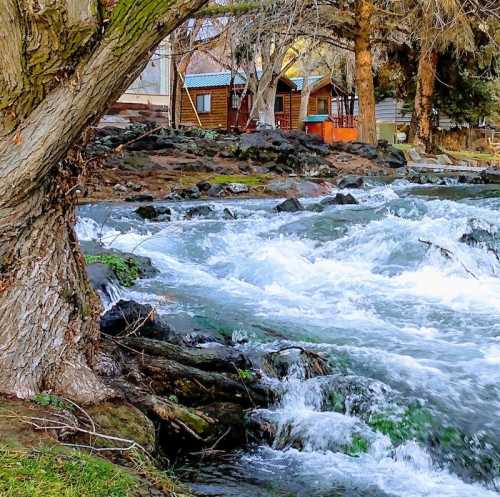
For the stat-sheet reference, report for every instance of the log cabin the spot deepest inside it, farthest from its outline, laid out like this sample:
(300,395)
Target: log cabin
(216,101)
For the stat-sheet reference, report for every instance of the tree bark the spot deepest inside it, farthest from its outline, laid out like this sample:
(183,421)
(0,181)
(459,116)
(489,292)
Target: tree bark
(423,100)
(263,108)
(304,102)
(66,68)
(367,124)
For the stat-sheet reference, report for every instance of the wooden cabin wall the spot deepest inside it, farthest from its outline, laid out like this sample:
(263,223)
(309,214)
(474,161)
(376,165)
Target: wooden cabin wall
(216,118)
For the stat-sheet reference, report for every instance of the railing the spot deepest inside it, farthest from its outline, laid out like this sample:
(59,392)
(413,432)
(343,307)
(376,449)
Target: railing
(345,121)
(282,121)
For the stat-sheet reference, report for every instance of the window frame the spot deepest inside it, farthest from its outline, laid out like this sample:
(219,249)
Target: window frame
(328,110)
(205,109)
(282,99)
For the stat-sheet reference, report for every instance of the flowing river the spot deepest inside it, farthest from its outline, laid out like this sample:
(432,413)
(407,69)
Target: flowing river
(404,307)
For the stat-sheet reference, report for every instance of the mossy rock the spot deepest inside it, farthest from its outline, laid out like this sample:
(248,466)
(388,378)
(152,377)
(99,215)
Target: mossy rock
(127,267)
(124,421)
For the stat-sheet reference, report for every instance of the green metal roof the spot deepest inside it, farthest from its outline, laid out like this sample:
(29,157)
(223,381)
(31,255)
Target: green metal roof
(318,118)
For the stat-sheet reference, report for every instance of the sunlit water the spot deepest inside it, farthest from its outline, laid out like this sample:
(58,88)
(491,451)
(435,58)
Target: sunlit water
(411,331)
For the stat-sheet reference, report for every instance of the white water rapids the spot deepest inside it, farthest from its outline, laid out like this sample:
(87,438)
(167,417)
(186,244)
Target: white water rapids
(406,312)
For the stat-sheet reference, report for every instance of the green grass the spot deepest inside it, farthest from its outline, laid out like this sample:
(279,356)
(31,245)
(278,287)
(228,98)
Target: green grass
(460,154)
(470,154)
(53,473)
(254,180)
(403,146)
(126,270)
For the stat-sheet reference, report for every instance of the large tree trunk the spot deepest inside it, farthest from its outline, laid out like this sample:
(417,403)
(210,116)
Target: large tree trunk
(367,124)
(62,66)
(426,80)
(304,107)
(264,98)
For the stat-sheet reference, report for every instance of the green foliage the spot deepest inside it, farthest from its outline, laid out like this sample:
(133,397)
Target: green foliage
(173,398)
(246,374)
(50,400)
(468,96)
(52,473)
(125,269)
(206,134)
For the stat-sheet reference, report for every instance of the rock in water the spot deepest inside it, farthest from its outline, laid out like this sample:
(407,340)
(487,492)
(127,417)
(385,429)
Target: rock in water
(339,199)
(491,175)
(154,213)
(351,182)
(199,211)
(228,214)
(290,205)
(127,316)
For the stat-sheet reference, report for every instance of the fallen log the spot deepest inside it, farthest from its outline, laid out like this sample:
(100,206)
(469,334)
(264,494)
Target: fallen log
(192,384)
(217,358)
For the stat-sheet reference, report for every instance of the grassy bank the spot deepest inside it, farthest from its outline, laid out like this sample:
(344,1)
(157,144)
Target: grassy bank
(35,464)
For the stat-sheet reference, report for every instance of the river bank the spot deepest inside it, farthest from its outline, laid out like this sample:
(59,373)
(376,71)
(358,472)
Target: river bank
(397,295)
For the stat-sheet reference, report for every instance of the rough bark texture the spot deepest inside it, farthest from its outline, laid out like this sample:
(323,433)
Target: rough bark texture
(423,99)
(63,63)
(263,109)
(304,101)
(367,124)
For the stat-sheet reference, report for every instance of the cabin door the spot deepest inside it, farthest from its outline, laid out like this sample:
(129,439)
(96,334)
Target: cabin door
(239,110)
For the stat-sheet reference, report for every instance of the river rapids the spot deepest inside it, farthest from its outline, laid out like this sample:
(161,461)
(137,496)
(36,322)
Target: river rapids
(400,293)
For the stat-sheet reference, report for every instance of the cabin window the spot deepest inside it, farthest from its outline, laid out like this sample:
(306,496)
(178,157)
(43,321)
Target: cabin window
(235,101)
(323,105)
(203,103)
(279,104)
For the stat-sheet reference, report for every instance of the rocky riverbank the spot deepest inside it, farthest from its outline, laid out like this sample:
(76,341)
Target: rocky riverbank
(143,163)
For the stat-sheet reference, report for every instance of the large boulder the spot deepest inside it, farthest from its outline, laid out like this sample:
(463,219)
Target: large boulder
(94,252)
(290,205)
(199,211)
(350,182)
(140,197)
(295,149)
(491,176)
(216,191)
(237,188)
(123,421)
(339,199)
(152,213)
(129,317)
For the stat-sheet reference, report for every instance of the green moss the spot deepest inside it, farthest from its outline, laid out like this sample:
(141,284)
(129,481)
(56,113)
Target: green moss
(246,374)
(255,180)
(50,400)
(125,269)
(358,446)
(54,473)
(415,424)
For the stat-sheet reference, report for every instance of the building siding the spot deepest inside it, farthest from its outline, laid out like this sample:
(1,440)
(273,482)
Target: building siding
(216,118)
